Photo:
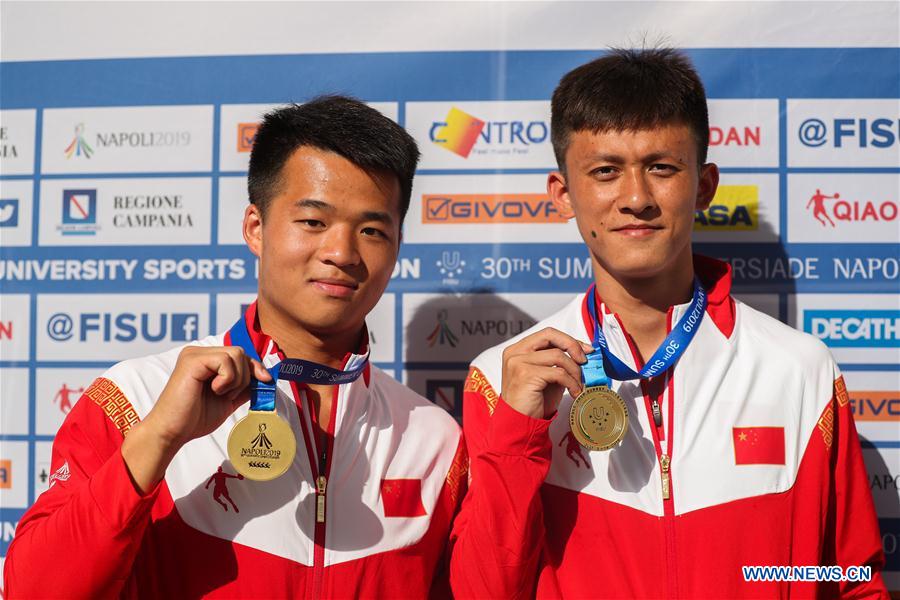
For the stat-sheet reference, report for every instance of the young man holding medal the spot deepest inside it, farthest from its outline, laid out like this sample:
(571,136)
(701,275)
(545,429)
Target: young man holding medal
(655,435)
(336,481)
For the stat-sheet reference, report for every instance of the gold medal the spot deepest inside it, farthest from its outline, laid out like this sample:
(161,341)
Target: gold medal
(262,445)
(599,418)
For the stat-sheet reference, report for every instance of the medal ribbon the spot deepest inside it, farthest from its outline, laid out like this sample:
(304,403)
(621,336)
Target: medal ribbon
(262,395)
(602,359)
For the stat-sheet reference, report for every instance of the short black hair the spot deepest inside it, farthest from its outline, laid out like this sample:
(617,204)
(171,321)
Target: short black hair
(339,124)
(629,90)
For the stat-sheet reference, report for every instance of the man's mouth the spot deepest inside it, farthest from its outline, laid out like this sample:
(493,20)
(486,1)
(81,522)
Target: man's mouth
(637,229)
(336,287)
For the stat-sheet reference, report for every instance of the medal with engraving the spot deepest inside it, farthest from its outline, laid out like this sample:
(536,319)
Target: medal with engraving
(599,418)
(261,446)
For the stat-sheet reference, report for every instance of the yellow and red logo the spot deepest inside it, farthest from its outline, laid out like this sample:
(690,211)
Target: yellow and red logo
(457,209)
(734,208)
(246,134)
(458,133)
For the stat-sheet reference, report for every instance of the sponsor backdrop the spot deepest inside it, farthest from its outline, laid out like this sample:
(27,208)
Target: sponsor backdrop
(124,181)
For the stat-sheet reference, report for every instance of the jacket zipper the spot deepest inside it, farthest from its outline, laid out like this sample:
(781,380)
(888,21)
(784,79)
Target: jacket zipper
(664,457)
(321,479)
(668,492)
(320,470)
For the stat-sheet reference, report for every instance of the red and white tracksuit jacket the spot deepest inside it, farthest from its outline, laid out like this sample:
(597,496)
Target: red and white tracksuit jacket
(765,469)
(395,471)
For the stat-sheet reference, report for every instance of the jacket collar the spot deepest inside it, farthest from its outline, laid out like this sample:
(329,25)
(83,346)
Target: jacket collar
(268,349)
(716,278)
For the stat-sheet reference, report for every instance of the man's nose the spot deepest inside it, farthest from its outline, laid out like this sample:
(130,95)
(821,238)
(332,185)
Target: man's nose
(339,246)
(636,196)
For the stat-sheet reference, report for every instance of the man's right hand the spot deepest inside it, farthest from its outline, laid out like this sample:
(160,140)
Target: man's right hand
(539,368)
(207,385)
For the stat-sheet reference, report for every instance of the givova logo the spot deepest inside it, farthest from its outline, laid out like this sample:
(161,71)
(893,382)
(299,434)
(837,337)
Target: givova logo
(123,327)
(246,135)
(734,208)
(854,328)
(452,209)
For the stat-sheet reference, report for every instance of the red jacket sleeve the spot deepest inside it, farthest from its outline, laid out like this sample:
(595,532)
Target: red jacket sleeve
(856,537)
(81,536)
(498,536)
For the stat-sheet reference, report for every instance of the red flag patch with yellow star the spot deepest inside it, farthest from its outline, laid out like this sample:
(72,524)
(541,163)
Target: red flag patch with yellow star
(402,497)
(758,445)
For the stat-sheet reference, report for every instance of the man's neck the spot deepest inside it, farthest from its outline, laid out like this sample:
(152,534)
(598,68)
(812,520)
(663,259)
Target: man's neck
(643,303)
(296,341)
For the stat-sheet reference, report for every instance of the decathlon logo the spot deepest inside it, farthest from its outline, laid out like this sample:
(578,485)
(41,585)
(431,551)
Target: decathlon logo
(854,328)
(849,133)
(123,327)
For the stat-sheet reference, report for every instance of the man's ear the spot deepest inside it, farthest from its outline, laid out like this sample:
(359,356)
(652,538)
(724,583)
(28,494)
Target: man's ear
(709,183)
(559,194)
(252,229)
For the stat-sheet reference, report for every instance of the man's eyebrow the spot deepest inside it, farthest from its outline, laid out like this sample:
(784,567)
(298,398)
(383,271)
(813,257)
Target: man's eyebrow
(602,156)
(369,215)
(656,156)
(311,203)
(618,159)
(381,217)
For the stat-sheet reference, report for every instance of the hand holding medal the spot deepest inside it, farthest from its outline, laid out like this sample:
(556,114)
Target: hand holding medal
(207,385)
(599,416)
(539,368)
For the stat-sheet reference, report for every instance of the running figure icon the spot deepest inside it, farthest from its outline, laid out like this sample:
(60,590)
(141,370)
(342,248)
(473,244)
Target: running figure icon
(64,395)
(221,488)
(817,201)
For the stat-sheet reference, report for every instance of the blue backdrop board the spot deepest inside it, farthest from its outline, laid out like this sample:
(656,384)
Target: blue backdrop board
(123,182)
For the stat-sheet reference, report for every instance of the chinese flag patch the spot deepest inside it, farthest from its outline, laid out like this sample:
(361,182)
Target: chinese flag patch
(758,445)
(402,497)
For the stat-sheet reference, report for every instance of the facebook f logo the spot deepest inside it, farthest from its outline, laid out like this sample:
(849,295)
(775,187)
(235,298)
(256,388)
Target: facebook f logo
(184,327)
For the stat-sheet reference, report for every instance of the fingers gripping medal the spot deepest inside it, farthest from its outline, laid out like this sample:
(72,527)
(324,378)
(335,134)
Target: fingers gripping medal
(599,417)
(262,445)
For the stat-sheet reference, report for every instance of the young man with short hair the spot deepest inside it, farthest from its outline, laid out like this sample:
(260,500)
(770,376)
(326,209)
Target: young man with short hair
(655,435)
(337,482)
